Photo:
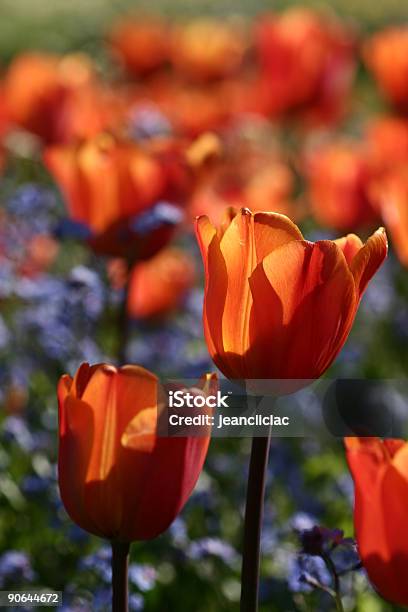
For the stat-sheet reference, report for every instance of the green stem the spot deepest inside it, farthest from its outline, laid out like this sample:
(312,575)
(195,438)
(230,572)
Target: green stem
(253,523)
(336,595)
(120,563)
(123,322)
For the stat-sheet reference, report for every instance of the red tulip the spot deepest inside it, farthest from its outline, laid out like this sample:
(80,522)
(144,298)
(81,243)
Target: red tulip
(118,479)
(205,49)
(277,306)
(158,286)
(391,193)
(339,177)
(387,142)
(107,183)
(245,175)
(306,65)
(142,45)
(386,55)
(58,98)
(194,108)
(380,473)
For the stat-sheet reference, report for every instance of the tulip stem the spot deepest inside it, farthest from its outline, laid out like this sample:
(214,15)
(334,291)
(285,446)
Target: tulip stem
(336,579)
(253,523)
(120,562)
(123,321)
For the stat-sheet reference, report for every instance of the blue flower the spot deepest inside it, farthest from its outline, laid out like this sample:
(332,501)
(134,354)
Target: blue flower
(148,122)
(215,547)
(159,215)
(30,200)
(33,485)
(142,576)
(15,568)
(16,429)
(306,571)
(302,521)
(100,563)
(136,602)
(178,532)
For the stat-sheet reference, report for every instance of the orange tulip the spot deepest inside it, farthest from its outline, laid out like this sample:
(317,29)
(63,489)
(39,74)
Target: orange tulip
(339,176)
(386,55)
(142,45)
(306,65)
(158,286)
(4,119)
(277,306)
(391,193)
(380,473)
(118,479)
(107,183)
(207,48)
(243,175)
(387,142)
(194,108)
(58,97)
(33,92)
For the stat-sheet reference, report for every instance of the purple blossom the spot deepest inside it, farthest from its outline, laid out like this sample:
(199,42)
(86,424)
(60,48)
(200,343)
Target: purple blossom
(306,571)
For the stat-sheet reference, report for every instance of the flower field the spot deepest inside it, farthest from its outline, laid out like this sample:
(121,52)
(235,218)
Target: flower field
(194,195)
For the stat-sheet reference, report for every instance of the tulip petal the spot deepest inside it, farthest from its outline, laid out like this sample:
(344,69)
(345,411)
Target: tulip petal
(115,398)
(205,232)
(163,478)
(61,161)
(74,454)
(367,261)
(216,283)
(300,319)
(246,241)
(63,389)
(350,245)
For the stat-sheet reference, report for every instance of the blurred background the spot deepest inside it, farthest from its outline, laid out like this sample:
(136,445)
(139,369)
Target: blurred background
(118,116)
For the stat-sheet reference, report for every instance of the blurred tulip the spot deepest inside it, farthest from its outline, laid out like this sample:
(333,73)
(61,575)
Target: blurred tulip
(107,184)
(58,98)
(387,142)
(205,49)
(391,195)
(386,55)
(277,306)
(195,108)
(143,45)
(245,174)
(339,176)
(268,187)
(380,473)
(158,286)
(118,478)
(306,65)
(42,250)
(4,118)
